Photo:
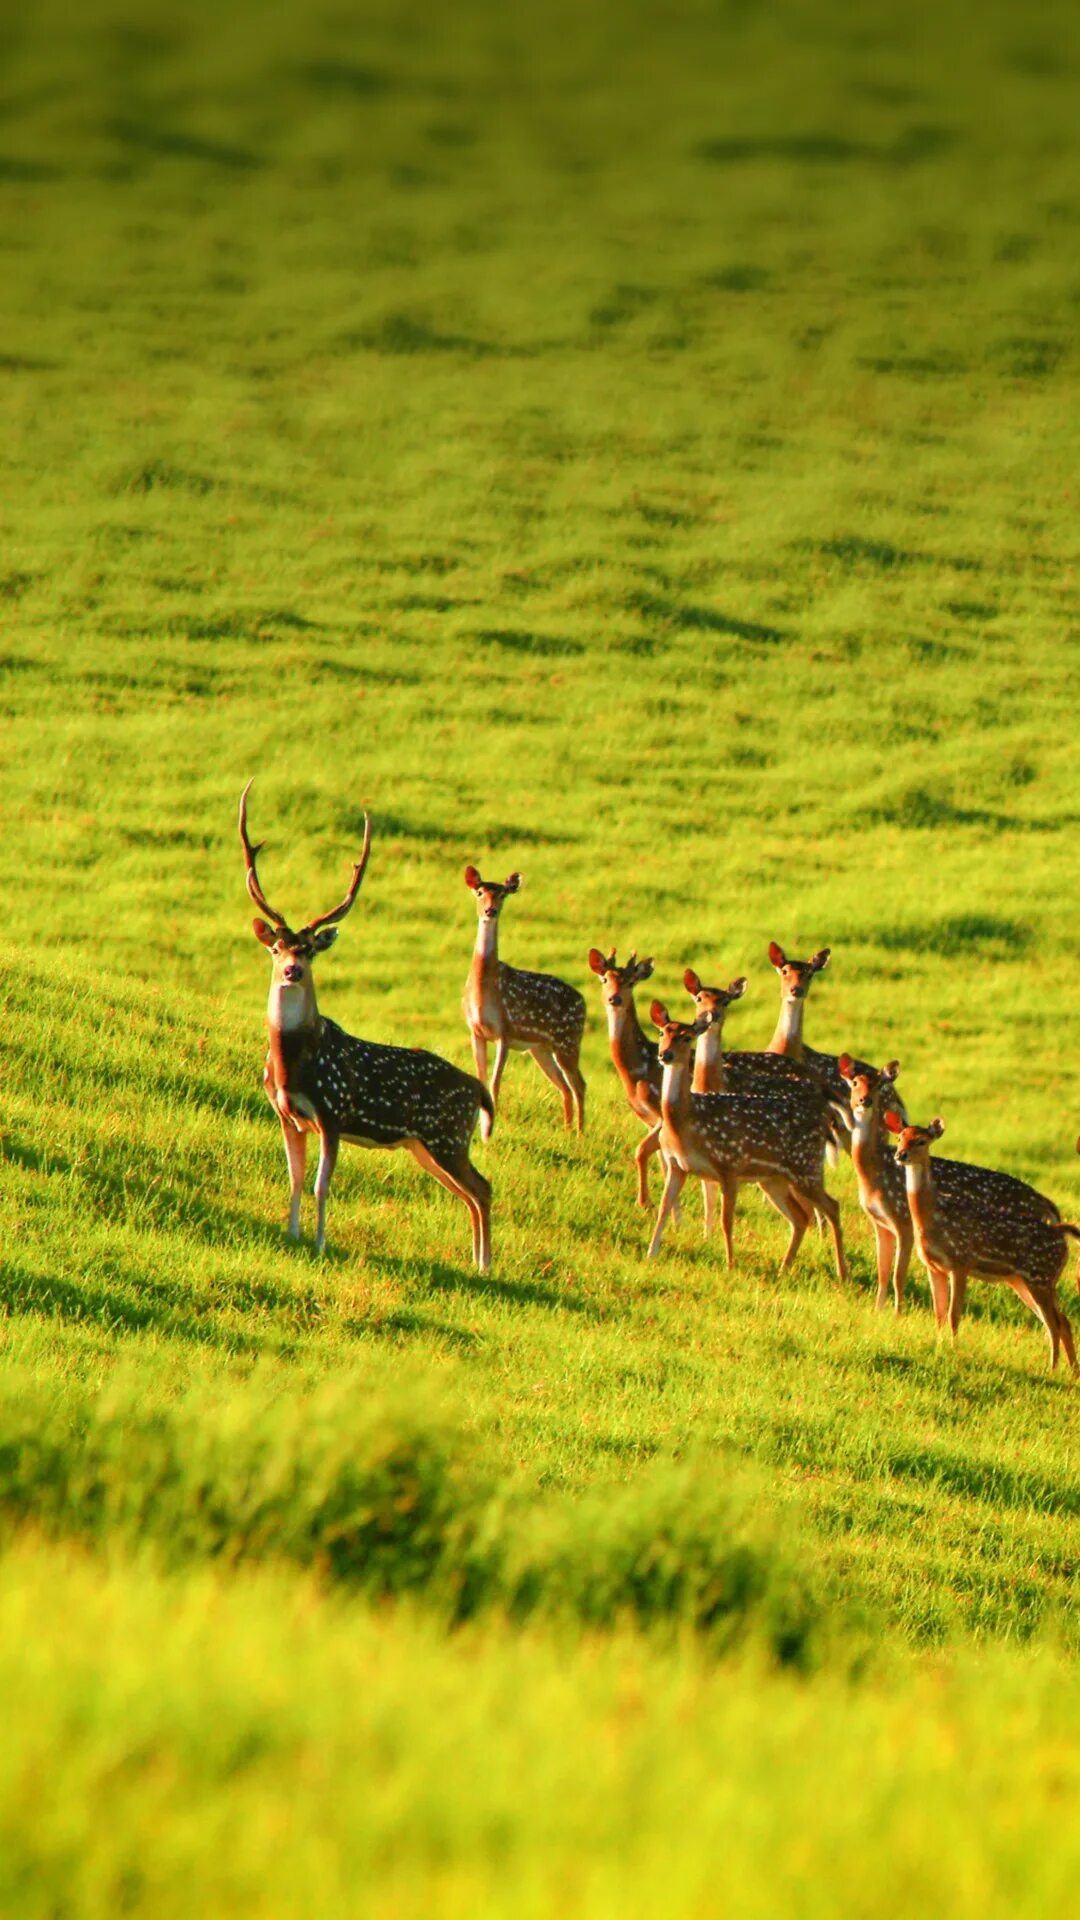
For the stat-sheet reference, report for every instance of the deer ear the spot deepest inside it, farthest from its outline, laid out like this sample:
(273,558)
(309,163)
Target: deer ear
(596,960)
(776,954)
(893,1121)
(512,883)
(891,1071)
(472,878)
(264,933)
(643,970)
(936,1127)
(846,1065)
(325,938)
(736,988)
(820,959)
(658,1014)
(691,981)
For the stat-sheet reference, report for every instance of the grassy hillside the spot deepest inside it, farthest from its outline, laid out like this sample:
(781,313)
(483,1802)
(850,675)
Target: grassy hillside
(636,446)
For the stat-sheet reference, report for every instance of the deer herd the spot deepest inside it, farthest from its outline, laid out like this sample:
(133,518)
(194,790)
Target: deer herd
(728,1118)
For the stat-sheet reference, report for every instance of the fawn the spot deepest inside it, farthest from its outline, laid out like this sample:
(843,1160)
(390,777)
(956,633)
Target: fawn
(633,1053)
(717,1071)
(882,1187)
(972,1229)
(532,1012)
(796,979)
(776,1138)
(320,1079)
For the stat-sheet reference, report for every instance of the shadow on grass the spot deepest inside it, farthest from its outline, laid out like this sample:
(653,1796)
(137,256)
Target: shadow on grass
(914,143)
(172,143)
(963,935)
(923,807)
(442,1278)
(544,644)
(696,619)
(991,1483)
(853,551)
(136,1306)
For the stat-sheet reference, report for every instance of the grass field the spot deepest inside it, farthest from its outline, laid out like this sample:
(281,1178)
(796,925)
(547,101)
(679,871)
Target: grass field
(635,445)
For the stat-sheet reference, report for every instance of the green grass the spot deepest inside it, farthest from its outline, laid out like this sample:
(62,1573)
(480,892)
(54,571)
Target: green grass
(635,446)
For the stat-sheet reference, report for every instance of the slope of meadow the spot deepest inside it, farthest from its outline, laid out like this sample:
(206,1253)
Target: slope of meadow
(636,446)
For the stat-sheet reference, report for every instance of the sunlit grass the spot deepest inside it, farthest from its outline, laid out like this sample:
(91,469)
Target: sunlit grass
(636,446)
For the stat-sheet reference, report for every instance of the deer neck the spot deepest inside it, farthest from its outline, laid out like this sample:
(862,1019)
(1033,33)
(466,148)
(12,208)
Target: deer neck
(485,961)
(922,1202)
(866,1147)
(788,1037)
(293,1024)
(675,1094)
(627,1039)
(709,1075)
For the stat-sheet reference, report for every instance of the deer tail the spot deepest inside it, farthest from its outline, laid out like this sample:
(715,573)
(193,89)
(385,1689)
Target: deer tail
(487,1106)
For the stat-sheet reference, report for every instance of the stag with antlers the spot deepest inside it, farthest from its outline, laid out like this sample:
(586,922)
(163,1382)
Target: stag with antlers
(320,1079)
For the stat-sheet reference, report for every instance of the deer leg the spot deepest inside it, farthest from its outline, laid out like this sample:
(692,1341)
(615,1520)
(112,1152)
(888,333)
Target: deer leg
(1044,1304)
(825,1204)
(795,1212)
(958,1281)
(643,1154)
(904,1242)
(729,1187)
(885,1246)
(546,1061)
(479,1049)
(575,1080)
(708,1195)
(457,1174)
(328,1153)
(939,1288)
(673,1186)
(296,1155)
(502,1050)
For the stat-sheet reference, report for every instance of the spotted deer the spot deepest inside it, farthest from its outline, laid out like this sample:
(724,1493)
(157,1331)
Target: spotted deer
(633,1054)
(776,1138)
(528,1012)
(971,1229)
(718,1071)
(796,979)
(320,1079)
(882,1184)
(882,1187)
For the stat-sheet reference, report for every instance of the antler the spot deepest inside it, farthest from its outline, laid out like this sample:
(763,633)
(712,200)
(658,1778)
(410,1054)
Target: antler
(338,913)
(250,855)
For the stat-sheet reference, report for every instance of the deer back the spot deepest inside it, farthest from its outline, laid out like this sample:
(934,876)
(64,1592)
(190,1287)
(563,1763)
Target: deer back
(381,1095)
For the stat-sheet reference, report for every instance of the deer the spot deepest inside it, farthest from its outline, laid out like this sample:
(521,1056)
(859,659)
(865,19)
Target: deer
(776,1137)
(634,1055)
(533,1013)
(320,1079)
(970,1229)
(882,1186)
(796,979)
(716,1071)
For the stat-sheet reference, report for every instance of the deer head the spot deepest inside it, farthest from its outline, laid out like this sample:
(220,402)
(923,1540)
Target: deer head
(292,953)
(871,1086)
(913,1146)
(713,1001)
(490,894)
(796,976)
(614,980)
(676,1036)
